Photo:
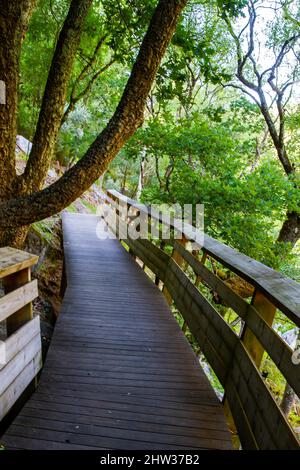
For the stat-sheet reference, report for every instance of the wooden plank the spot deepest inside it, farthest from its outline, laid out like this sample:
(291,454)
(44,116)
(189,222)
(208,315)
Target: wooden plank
(282,291)
(97,408)
(15,442)
(277,349)
(164,405)
(15,366)
(199,326)
(267,312)
(118,428)
(132,403)
(18,340)
(17,387)
(17,299)
(12,260)
(25,313)
(269,425)
(152,256)
(233,300)
(198,306)
(70,436)
(241,421)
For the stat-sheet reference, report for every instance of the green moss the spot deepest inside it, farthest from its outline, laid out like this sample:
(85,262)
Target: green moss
(89,206)
(72,208)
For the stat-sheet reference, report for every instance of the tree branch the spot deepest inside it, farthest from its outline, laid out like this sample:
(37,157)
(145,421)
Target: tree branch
(242,58)
(244,90)
(75,98)
(126,119)
(277,135)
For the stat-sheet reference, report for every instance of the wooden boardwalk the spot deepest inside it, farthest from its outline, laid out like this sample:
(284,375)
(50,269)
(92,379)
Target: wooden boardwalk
(119,372)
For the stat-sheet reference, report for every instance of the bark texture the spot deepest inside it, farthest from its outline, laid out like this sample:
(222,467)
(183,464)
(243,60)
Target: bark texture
(14,19)
(127,118)
(290,230)
(54,98)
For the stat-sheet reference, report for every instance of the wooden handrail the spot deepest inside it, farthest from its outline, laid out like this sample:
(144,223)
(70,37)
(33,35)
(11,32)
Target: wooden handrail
(235,358)
(21,349)
(281,290)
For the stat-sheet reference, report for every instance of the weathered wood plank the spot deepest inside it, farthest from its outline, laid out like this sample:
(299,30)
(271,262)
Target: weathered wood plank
(269,425)
(18,340)
(25,313)
(18,363)
(266,311)
(12,260)
(104,409)
(17,387)
(119,429)
(17,299)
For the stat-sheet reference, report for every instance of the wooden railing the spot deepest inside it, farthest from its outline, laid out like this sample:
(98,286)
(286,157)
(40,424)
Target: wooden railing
(20,345)
(186,279)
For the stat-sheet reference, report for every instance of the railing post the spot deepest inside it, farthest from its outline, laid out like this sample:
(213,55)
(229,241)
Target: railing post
(21,360)
(180,261)
(203,260)
(267,311)
(10,283)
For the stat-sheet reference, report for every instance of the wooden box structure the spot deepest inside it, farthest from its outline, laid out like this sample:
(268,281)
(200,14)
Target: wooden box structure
(20,347)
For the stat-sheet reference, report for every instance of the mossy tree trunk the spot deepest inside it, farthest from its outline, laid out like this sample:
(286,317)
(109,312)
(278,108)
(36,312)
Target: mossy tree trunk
(24,200)
(14,19)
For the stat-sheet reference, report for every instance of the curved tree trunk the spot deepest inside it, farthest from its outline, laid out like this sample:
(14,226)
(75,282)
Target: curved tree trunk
(128,116)
(14,19)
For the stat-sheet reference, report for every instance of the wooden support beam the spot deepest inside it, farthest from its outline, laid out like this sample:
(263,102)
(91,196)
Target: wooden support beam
(12,261)
(267,311)
(24,314)
(17,298)
(23,351)
(180,261)
(199,278)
